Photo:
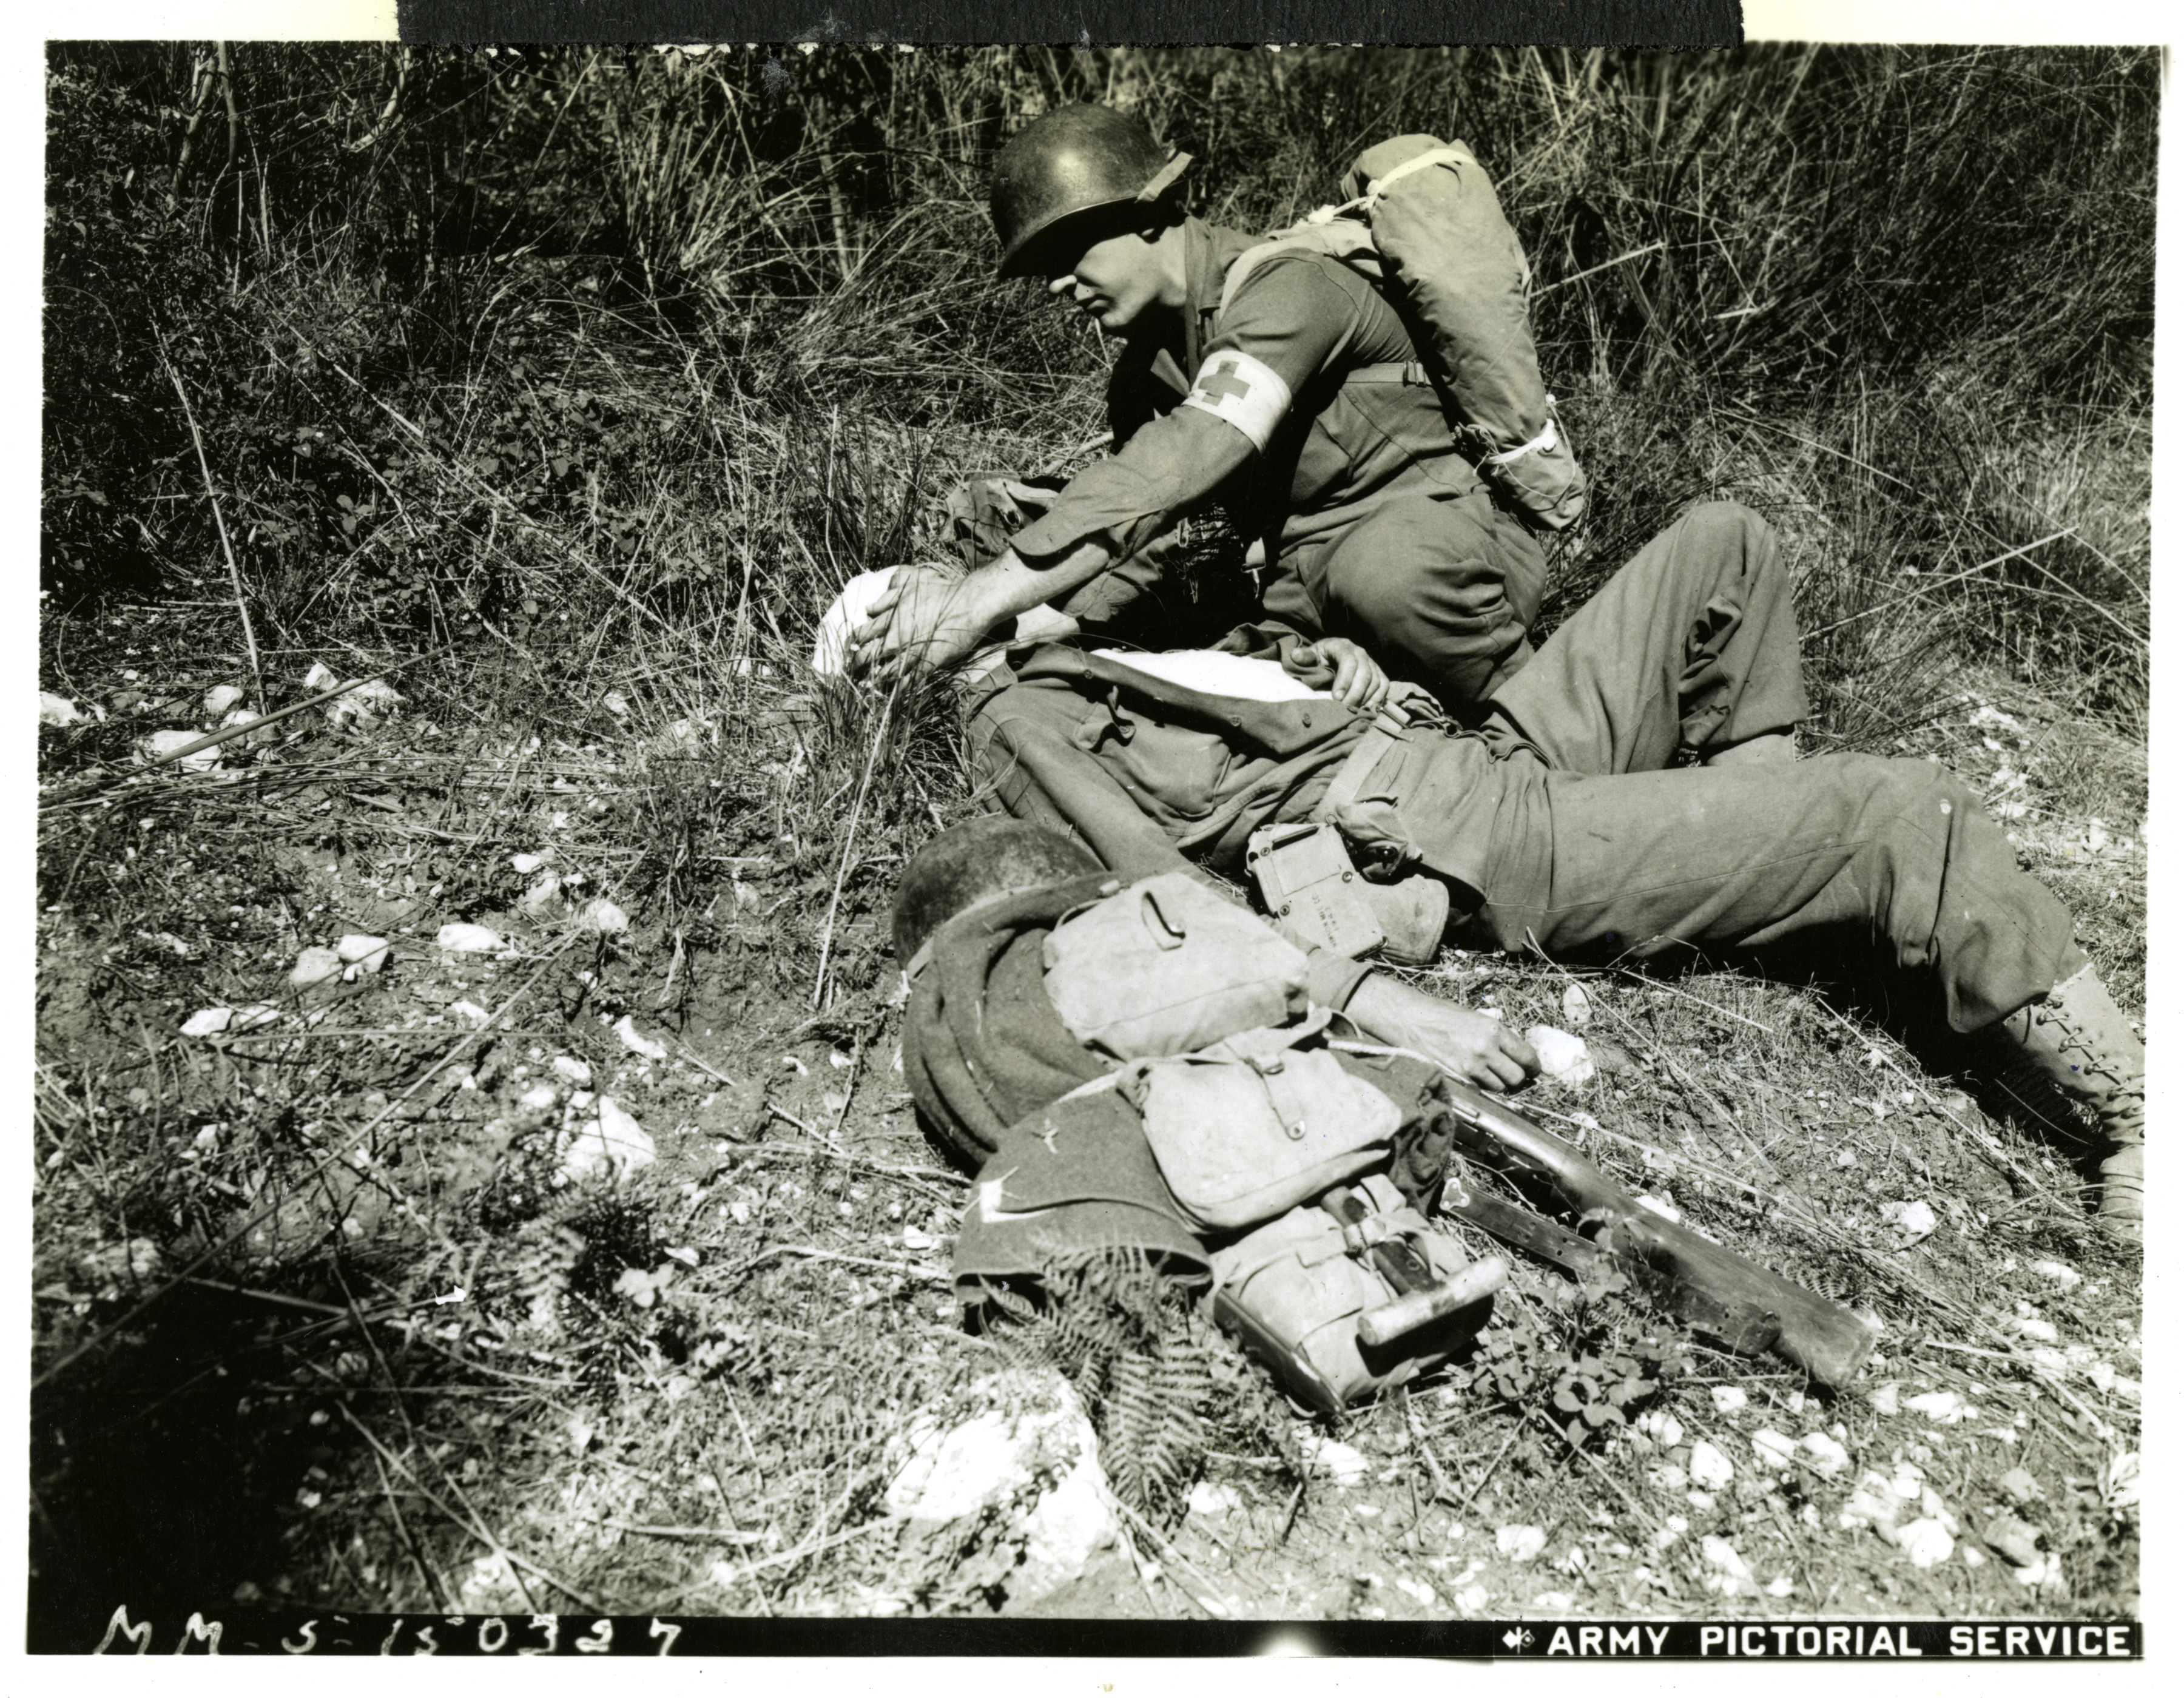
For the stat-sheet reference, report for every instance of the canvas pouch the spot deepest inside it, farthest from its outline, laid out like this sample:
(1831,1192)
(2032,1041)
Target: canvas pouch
(1253,1126)
(1164,966)
(1294,1289)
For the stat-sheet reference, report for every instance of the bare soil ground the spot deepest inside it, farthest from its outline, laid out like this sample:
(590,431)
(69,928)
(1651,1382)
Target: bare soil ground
(319,1319)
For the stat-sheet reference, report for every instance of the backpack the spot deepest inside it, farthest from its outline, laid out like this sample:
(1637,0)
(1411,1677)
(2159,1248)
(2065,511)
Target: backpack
(1422,222)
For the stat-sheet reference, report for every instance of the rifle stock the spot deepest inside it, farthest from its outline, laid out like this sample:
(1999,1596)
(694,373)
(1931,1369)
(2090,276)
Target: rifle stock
(1748,1307)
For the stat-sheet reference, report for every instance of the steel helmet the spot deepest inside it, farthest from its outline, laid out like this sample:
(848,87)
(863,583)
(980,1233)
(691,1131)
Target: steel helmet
(978,862)
(1075,159)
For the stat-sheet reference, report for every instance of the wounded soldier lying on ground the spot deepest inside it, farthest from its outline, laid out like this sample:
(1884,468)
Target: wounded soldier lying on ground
(1139,1068)
(1633,791)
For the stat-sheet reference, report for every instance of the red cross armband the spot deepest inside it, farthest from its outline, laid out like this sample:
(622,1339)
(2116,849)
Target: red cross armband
(1246,392)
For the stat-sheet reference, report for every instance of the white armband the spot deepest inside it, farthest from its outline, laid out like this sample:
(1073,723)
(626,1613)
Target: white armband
(1245,392)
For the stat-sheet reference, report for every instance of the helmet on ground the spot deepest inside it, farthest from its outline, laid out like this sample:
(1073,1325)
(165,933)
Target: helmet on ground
(978,862)
(1075,161)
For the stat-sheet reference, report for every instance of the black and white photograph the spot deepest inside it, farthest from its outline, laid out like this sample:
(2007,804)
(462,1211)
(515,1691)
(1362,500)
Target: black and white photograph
(861,841)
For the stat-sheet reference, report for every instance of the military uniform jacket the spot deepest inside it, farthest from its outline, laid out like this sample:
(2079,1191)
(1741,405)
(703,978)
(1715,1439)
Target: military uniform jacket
(1311,363)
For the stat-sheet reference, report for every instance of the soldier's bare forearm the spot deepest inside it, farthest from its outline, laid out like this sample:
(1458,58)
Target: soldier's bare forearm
(1011,584)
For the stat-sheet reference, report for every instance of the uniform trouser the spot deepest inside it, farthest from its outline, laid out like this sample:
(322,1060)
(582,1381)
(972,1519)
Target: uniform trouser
(1440,589)
(1596,854)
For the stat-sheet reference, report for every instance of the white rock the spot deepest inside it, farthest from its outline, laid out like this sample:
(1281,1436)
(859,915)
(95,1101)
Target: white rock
(540,1097)
(1884,1398)
(1209,1499)
(2056,1272)
(1033,1431)
(365,953)
(1520,1543)
(1721,1554)
(1925,1542)
(458,937)
(162,744)
(1071,1521)
(1728,1399)
(1662,1428)
(543,895)
(1346,1462)
(1667,1477)
(1875,1503)
(315,966)
(1562,1055)
(527,864)
(365,704)
(2014,1540)
(612,1144)
(58,710)
(469,1013)
(1826,1457)
(1709,1468)
(2044,1575)
(1775,1450)
(1577,1007)
(604,917)
(616,703)
(207,1022)
(577,1073)
(1943,1408)
(626,1029)
(219,698)
(1912,1221)
(2032,1327)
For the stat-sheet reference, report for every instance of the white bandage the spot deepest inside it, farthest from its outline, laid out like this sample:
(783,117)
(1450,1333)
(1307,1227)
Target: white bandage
(1245,392)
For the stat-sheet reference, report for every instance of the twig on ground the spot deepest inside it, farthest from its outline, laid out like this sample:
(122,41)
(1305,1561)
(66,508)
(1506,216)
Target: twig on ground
(850,840)
(1958,578)
(1711,1007)
(818,1255)
(234,571)
(1480,1484)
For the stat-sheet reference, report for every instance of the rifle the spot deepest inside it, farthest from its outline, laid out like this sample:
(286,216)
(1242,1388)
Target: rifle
(1748,1307)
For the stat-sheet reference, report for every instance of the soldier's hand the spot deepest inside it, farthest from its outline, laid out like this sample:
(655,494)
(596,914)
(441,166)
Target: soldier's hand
(1359,682)
(922,618)
(1464,1043)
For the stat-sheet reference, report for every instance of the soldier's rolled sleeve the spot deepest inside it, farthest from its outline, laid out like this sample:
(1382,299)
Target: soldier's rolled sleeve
(1287,323)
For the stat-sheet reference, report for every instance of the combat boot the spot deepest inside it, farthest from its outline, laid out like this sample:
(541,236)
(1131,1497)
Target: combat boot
(2077,1039)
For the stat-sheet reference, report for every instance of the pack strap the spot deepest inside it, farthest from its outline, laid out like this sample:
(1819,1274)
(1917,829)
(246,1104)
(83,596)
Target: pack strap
(1380,186)
(1410,373)
(1379,737)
